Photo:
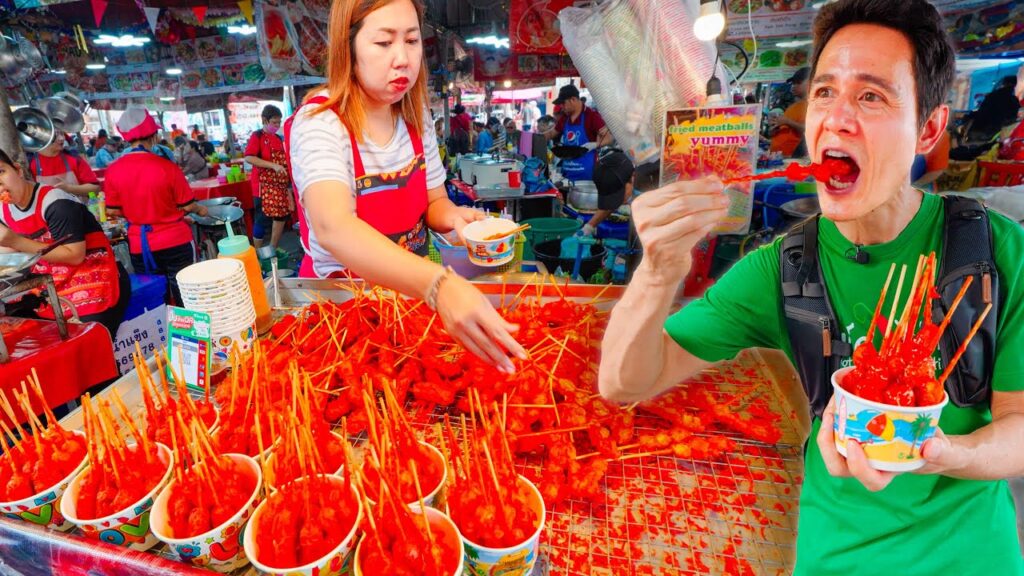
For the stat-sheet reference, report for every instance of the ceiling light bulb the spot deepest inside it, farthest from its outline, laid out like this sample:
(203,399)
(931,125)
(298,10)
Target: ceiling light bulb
(711,22)
(508,84)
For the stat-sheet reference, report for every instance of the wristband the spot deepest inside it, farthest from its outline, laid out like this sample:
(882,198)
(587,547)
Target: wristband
(435,287)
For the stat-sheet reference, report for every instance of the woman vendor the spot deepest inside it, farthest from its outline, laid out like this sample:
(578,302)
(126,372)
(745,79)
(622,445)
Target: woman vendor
(270,183)
(84,270)
(369,179)
(152,194)
(54,167)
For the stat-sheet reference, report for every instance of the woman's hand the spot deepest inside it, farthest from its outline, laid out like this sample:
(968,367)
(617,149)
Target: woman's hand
(460,216)
(672,219)
(471,319)
(278,168)
(7,237)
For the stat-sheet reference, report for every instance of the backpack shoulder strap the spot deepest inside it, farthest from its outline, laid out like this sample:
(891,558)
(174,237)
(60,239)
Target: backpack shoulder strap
(814,334)
(967,251)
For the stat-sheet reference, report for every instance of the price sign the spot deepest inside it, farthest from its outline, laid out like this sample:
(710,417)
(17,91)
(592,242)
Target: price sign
(189,346)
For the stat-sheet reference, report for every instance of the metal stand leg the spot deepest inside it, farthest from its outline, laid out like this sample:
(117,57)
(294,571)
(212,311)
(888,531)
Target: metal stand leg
(58,310)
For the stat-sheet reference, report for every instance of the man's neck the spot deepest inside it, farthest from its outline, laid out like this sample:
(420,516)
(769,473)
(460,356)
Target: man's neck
(885,223)
(575,117)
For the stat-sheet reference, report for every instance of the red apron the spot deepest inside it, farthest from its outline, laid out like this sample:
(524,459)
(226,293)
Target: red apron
(394,204)
(93,285)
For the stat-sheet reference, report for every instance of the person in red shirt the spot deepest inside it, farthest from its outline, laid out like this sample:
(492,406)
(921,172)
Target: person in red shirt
(153,196)
(270,182)
(578,126)
(84,270)
(54,167)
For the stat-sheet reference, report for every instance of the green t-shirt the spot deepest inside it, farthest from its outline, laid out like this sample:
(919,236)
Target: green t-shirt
(919,524)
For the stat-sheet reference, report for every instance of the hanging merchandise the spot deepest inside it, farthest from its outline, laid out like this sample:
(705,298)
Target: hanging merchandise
(533,26)
(292,37)
(686,63)
(585,41)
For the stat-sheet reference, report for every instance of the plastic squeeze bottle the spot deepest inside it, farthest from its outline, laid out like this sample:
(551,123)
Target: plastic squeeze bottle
(238,247)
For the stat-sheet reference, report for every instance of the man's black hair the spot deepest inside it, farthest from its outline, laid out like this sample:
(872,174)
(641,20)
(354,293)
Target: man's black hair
(918,21)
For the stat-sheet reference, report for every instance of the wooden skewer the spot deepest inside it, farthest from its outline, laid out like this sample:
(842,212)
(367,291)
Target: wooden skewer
(963,346)
(895,303)
(881,302)
(952,309)
(511,232)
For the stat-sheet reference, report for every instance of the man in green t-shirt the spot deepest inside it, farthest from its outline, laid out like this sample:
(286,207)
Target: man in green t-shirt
(879,76)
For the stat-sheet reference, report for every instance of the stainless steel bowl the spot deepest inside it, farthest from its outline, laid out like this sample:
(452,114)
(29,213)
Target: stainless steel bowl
(218,215)
(222,201)
(583,196)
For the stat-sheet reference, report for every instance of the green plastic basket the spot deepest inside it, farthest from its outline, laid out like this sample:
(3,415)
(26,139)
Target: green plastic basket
(545,229)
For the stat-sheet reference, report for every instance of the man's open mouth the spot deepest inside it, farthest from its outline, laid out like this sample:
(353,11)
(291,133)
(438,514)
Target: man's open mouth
(843,168)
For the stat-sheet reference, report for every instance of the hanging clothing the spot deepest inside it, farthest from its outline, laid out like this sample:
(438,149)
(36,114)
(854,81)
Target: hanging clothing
(93,286)
(269,185)
(61,169)
(575,134)
(394,202)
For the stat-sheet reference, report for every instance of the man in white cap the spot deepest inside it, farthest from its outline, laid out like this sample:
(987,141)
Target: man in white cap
(153,195)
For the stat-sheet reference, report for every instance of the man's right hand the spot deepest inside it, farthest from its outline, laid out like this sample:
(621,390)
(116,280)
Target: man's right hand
(672,219)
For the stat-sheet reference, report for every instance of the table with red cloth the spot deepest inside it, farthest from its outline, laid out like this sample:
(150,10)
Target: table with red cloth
(212,188)
(66,368)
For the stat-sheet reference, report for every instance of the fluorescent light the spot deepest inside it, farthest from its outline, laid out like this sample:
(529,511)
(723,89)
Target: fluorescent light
(490,40)
(123,41)
(59,71)
(793,43)
(173,71)
(711,22)
(243,30)
(95,66)
(167,98)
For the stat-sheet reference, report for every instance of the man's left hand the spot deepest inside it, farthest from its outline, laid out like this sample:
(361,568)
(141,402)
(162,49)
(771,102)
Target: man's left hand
(941,454)
(462,215)
(855,464)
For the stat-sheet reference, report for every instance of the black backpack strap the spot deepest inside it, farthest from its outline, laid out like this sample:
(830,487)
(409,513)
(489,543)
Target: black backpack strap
(814,333)
(967,251)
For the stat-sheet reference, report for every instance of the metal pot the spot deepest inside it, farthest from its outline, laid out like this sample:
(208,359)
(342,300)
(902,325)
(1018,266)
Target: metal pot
(218,215)
(583,196)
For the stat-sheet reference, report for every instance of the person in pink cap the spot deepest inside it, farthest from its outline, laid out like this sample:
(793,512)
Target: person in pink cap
(152,194)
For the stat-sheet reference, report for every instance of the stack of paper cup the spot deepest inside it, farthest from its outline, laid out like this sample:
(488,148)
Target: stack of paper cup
(219,287)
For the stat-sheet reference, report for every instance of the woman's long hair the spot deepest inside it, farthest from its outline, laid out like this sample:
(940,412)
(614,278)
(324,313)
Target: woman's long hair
(343,91)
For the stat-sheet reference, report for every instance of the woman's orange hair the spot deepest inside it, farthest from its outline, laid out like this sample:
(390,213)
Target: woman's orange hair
(343,91)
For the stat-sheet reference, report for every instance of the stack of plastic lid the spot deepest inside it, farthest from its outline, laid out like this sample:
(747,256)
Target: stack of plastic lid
(219,287)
